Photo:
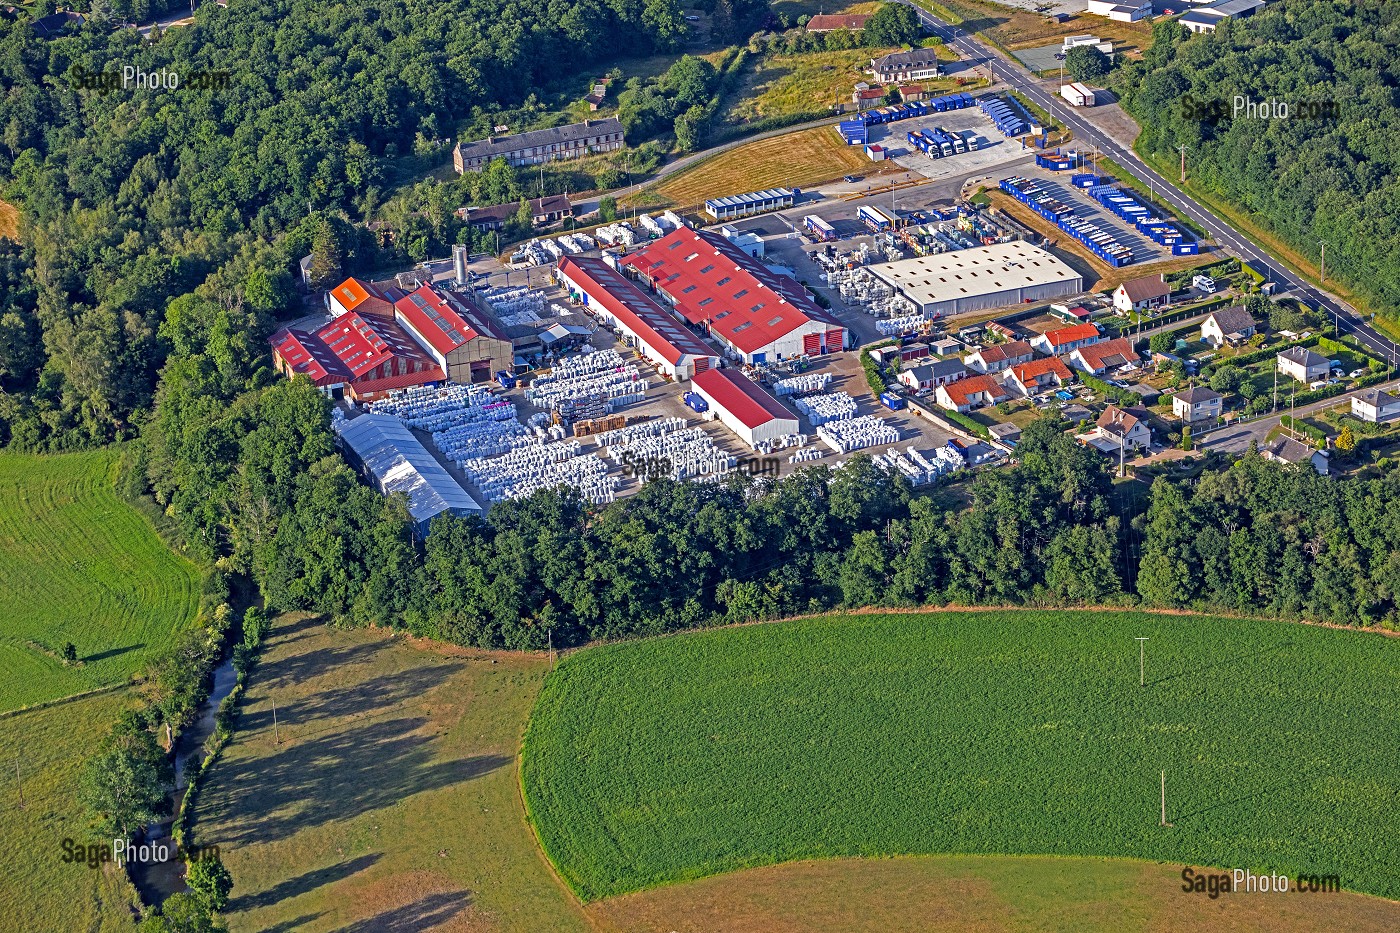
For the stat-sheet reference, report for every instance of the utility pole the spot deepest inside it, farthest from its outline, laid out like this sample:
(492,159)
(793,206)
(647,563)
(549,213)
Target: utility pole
(276,735)
(1142,660)
(1322,273)
(551,649)
(1183,163)
(1164,799)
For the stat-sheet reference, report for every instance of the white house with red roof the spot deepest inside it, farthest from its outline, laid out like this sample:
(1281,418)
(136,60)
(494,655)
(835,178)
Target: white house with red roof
(465,340)
(1039,374)
(652,330)
(972,392)
(1066,339)
(744,406)
(1098,358)
(999,356)
(755,313)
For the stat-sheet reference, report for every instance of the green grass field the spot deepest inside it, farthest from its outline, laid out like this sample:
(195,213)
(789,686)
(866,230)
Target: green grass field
(78,564)
(977,732)
(39,891)
(392,801)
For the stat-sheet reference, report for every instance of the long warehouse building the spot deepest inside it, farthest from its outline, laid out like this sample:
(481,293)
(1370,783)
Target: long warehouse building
(657,336)
(759,315)
(744,406)
(968,280)
(389,455)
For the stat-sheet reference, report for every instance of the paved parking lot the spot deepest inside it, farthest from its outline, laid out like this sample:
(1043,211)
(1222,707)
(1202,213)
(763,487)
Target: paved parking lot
(1041,58)
(996,149)
(1086,208)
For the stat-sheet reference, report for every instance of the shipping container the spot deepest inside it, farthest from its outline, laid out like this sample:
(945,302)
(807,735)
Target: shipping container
(819,228)
(892,402)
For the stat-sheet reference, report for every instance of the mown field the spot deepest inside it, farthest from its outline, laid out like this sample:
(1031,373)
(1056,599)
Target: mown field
(78,564)
(975,894)
(392,801)
(9,221)
(38,891)
(795,160)
(970,732)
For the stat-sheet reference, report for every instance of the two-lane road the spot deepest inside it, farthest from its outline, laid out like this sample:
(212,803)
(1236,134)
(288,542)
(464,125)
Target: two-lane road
(1022,80)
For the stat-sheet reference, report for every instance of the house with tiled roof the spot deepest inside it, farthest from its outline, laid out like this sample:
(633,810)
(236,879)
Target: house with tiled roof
(1231,326)
(1196,403)
(1098,358)
(1030,378)
(1119,430)
(1302,364)
(1375,407)
(1290,451)
(759,314)
(1066,339)
(932,374)
(964,395)
(1149,291)
(999,356)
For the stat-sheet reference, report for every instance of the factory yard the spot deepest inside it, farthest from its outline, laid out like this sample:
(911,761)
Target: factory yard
(996,150)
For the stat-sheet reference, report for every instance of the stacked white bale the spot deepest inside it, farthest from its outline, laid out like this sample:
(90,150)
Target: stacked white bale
(820,409)
(857,433)
(802,384)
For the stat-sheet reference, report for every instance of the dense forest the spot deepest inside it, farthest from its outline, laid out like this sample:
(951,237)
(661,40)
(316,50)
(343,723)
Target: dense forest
(133,198)
(1311,178)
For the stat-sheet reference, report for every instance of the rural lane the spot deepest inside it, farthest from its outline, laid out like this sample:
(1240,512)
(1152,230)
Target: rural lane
(1346,317)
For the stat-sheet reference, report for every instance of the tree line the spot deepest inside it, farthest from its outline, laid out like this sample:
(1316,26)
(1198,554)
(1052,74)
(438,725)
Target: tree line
(1316,176)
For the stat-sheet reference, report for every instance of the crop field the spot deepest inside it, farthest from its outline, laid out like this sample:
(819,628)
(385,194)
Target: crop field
(392,800)
(39,891)
(1018,732)
(78,564)
(794,160)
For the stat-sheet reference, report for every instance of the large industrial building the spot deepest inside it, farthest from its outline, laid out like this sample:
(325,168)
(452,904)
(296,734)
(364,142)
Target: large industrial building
(744,406)
(968,280)
(381,340)
(388,454)
(538,146)
(657,336)
(756,313)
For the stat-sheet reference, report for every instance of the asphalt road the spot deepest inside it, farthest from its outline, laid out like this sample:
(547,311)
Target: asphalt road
(1346,317)
(1235,438)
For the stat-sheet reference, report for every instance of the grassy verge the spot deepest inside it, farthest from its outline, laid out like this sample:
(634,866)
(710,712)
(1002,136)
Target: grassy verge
(38,890)
(392,800)
(994,731)
(79,565)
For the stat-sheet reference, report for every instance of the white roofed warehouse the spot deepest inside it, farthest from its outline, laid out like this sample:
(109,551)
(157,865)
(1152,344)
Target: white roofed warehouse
(968,280)
(386,453)
(742,205)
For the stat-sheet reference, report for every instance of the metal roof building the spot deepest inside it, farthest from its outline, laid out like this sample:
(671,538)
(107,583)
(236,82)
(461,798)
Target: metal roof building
(658,337)
(984,277)
(760,315)
(742,205)
(744,406)
(384,449)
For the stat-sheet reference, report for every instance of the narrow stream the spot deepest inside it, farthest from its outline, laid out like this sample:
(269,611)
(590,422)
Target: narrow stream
(155,881)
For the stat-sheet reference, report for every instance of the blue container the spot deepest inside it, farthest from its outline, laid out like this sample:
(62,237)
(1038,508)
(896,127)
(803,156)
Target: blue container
(695,402)
(891,401)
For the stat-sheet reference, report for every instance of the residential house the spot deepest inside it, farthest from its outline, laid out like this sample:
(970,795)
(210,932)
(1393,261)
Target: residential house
(973,392)
(1150,291)
(1039,374)
(1119,430)
(1231,326)
(1098,358)
(933,374)
(1076,414)
(1197,404)
(540,146)
(1304,365)
(914,65)
(828,22)
(1287,450)
(999,356)
(1005,432)
(1066,339)
(1375,407)
(543,212)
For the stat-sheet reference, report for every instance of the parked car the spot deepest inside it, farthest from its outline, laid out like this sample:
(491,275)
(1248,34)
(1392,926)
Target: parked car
(851,178)
(1356,373)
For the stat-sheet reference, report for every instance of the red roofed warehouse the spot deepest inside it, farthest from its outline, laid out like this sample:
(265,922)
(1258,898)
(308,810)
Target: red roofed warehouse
(744,406)
(657,336)
(361,356)
(354,295)
(465,340)
(756,313)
